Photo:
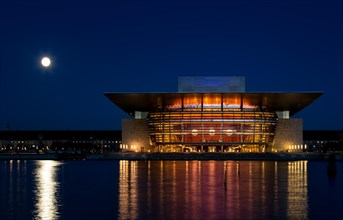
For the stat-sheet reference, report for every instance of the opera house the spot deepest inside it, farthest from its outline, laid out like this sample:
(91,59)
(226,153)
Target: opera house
(212,114)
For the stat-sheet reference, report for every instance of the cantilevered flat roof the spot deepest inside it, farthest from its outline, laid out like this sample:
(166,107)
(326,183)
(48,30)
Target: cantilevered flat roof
(277,101)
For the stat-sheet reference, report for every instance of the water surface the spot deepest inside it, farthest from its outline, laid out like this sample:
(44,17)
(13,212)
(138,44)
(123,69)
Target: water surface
(169,190)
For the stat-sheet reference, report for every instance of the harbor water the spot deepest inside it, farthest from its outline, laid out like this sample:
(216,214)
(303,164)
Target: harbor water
(51,189)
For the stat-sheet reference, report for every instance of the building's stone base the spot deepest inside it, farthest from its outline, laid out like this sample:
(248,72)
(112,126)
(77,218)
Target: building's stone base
(289,132)
(135,136)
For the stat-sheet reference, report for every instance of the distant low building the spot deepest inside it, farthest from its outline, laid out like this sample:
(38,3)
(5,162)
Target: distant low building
(73,141)
(323,140)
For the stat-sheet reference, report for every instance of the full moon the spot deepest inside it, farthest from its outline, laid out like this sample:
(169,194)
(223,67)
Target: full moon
(46,61)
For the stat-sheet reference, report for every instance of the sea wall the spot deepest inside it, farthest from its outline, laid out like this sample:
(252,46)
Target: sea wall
(172,156)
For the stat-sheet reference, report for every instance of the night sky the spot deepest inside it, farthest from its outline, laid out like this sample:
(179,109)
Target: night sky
(143,46)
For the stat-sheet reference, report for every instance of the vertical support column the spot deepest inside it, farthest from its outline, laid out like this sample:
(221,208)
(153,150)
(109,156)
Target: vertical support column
(182,105)
(261,124)
(222,119)
(180,119)
(202,128)
(241,128)
(202,123)
(242,118)
(161,123)
(254,128)
(163,104)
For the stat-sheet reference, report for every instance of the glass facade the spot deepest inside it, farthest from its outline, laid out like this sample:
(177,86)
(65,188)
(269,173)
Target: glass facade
(212,122)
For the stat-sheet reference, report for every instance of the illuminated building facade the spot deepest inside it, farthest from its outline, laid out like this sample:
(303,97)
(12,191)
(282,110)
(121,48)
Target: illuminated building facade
(211,114)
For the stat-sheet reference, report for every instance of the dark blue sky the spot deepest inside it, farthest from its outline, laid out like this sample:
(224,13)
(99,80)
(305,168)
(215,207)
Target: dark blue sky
(143,46)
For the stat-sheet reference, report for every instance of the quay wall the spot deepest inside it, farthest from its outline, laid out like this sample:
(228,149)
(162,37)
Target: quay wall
(172,156)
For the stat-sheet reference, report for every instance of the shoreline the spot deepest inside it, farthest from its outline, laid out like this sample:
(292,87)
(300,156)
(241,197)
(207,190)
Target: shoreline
(174,156)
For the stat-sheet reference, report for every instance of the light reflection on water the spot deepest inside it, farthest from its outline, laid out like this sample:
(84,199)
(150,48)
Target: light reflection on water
(197,190)
(46,190)
(297,205)
(128,188)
